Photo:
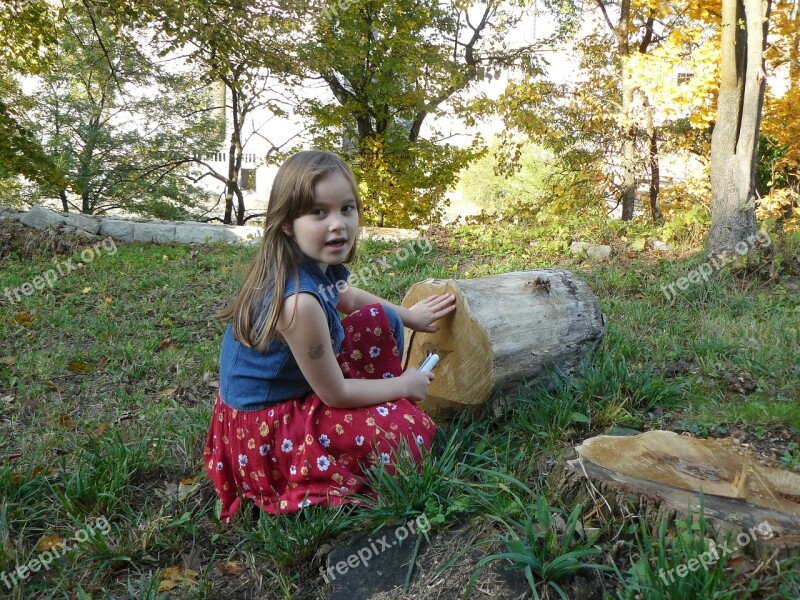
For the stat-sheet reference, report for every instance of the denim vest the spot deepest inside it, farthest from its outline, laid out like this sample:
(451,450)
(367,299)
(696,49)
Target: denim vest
(250,380)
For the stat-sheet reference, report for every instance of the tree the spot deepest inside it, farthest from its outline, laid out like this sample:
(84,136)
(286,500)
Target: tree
(388,67)
(27,33)
(113,124)
(734,142)
(240,43)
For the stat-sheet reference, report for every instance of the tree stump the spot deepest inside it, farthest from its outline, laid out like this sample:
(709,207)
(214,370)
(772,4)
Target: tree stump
(659,474)
(509,329)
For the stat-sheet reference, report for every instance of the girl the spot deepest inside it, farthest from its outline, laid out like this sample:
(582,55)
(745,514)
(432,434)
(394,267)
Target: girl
(306,401)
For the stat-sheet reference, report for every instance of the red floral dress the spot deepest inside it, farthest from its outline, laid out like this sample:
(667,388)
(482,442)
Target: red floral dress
(301,452)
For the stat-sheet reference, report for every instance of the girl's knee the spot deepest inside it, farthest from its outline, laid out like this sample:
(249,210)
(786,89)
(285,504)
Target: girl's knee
(397,326)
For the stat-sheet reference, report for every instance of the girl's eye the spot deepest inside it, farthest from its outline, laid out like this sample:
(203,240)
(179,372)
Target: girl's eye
(349,208)
(317,212)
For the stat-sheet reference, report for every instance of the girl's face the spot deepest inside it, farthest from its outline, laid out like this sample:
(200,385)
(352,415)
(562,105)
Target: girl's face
(327,233)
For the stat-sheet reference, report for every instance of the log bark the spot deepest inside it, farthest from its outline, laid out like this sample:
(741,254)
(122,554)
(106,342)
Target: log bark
(659,474)
(509,329)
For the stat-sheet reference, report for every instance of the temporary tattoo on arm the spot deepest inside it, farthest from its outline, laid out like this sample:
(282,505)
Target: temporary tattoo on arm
(315,352)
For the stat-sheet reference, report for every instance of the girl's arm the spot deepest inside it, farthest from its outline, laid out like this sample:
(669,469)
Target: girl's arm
(304,327)
(419,317)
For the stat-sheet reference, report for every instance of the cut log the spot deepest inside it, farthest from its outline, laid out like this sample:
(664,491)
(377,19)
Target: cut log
(509,329)
(659,474)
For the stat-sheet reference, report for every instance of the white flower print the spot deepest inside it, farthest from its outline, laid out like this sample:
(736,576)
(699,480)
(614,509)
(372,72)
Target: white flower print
(324,441)
(385,458)
(382,411)
(287,445)
(387,375)
(292,470)
(304,503)
(271,413)
(374,352)
(420,440)
(242,460)
(263,449)
(359,440)
(393,405)
(323,463)
(373,311)
(219,466)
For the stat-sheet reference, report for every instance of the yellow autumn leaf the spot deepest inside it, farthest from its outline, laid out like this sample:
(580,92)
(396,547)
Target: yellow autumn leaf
(173,577)
(48,542)
(86,290)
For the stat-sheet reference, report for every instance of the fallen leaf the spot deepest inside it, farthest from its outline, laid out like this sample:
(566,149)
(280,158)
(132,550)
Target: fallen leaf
(66,421)
(53,386)
(8,360)
(213,384)
(108,300)
(226,270)
(167,392)
(14,457)
(77,366)
(192,561)
(86,290)
(48,542)
(100,430)
(189,480)
(230,568)
(173,577)
(25,318)
(168,344)
(122,418)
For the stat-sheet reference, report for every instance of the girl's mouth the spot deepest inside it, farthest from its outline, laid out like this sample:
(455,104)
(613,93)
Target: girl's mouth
(336,243)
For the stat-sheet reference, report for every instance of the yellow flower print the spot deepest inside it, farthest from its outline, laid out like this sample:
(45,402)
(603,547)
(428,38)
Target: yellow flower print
(370,368)
(234,413)
(409,418)
(251,444)
(348,418)
(351,482)
(337,478)
(356,337)
(309,439)
(377,331)
(339,429)
(225,487)
(219,417)
(370,422)
(239,433)
(261,473)
(264,429)
(211,464)
(390,435)
(225,439)
(393,426)
(356,354)
(304,470)
(284,504)
(286,419)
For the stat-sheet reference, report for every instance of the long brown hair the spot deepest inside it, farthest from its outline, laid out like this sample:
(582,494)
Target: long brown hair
(292,196)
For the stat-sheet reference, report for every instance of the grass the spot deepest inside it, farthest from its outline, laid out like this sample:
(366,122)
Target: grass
(107,380)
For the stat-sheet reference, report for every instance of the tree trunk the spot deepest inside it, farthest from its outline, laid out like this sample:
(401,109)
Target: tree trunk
(628,149)
(64,204)
(659,474)
(734,142)
(655,170)
(507,330)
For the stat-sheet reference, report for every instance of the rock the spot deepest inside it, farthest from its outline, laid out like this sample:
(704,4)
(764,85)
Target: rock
(599,253)
(9,214)
(369,563)
(118,229)
(659,246)
(198,233)
(245,233)
(87,224)
(39,218)
(579,248)
(154,232)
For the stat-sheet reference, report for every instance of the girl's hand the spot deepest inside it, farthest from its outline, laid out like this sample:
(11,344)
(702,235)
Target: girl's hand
(426,311)
(416,384)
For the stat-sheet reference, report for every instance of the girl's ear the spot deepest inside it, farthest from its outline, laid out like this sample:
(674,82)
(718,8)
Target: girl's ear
(287,229)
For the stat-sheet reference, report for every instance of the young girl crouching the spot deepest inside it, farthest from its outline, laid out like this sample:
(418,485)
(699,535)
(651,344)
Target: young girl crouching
(308,401)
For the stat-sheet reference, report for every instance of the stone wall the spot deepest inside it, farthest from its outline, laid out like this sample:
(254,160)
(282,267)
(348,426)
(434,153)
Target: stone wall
(133,230)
